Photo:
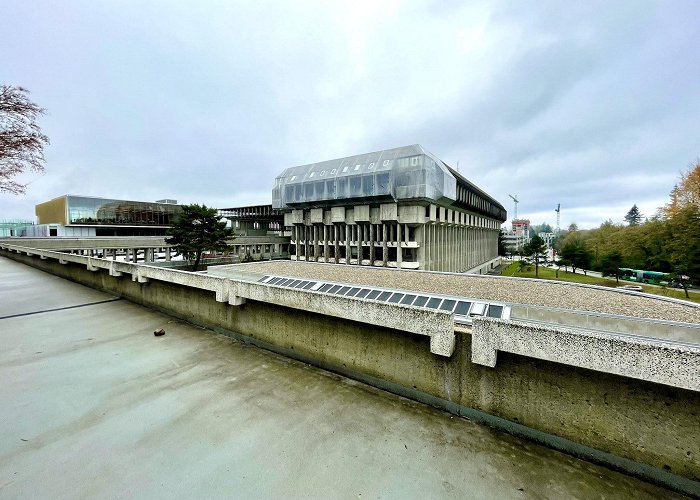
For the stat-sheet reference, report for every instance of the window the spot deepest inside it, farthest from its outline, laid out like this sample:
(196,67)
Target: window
(383,183)
(420,301)
(495,311)
(414,161)
(294,177)
(371,166)
(368,185)
(323,172)
(447,305)
(462,308)
(333,172)
(395,298)
(345,169)
(387,162)
(311,175)
(408,299)
(357,167)
(434,302)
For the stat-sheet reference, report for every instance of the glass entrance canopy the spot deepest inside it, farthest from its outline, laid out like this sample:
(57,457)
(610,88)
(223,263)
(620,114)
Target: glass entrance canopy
(409,172)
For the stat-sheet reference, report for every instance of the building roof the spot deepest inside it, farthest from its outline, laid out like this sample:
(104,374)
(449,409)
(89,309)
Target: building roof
(391,175)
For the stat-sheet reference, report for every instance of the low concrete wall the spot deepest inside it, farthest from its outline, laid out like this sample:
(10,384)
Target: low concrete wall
(71,243)
(645,428)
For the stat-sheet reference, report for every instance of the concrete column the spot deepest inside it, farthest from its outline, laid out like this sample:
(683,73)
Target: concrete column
(336,242)
(347,228)
(358,240)
(317,237)
(399,250)
(168,256)
(385,249)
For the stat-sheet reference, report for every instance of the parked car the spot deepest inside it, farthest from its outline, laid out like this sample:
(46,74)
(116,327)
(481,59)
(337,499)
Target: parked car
(632,288)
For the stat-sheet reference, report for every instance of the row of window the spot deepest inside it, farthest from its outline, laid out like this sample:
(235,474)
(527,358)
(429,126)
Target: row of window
(464,310)
(473,200)
(358,168)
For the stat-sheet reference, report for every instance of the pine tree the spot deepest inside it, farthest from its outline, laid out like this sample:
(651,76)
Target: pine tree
(536,252)
(198,228)
(634,216)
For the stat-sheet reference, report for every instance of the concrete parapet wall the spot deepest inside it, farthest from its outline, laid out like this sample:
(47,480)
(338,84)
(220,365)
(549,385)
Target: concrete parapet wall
(659,361)
(644,327)
(53,243)
(646,428)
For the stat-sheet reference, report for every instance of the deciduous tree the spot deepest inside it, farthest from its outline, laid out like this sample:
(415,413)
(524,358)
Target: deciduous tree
(577,254)
(196,229)
(21,140)
(686,193)
(611,263)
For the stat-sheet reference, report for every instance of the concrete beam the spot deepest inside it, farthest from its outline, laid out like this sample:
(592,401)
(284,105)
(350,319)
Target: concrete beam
(669,363)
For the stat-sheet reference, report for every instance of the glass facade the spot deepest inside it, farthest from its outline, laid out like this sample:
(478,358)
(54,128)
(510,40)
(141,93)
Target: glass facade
(408,172)
(99,211)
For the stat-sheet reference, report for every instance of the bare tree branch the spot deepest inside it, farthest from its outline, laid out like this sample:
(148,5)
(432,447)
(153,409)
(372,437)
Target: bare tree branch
(21,140)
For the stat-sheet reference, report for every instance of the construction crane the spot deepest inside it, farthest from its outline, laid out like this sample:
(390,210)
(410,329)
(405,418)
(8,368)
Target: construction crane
(558,211)
(515,200)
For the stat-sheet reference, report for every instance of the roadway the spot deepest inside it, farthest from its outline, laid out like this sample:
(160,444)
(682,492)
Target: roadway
(94,406)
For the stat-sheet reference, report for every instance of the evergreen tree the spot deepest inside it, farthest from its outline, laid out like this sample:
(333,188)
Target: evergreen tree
(634,216)
(536,252)
(196,229)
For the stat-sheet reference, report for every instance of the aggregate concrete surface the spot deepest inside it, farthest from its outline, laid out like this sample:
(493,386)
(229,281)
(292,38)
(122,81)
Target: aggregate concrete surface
(93,405)
(500,288)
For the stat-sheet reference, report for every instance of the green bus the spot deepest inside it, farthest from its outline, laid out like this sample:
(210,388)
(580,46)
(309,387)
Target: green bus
(641,276)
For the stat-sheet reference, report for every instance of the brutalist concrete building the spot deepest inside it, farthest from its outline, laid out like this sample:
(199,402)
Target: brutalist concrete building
(400,207)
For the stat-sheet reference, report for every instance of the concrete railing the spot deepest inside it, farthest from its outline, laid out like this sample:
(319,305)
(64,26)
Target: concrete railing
(654,360)
(437,325)
(631,351)
(94,243)
(675,331)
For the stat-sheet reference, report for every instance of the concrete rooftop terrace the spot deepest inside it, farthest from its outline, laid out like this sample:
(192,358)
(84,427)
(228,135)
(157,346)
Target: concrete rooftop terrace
(498,288)
(93,405)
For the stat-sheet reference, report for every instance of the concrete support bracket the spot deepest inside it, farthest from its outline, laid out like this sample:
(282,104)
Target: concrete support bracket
(136,276)
(236,300)
(113,271)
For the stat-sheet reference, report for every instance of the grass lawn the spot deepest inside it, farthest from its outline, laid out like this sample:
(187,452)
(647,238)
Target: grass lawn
(546,273)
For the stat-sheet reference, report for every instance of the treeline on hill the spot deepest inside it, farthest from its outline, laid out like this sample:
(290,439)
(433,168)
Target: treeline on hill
(669,241)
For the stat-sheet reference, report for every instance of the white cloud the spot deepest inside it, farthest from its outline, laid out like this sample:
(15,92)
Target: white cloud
(592,105)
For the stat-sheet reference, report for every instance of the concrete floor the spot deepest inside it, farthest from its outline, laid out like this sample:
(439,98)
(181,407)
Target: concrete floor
(93,405)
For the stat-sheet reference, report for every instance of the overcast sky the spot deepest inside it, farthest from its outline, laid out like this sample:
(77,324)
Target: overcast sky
(594,105)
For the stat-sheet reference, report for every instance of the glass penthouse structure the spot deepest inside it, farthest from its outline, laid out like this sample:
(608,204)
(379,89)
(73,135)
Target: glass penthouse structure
(71,215)
(400,207)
